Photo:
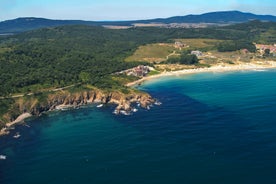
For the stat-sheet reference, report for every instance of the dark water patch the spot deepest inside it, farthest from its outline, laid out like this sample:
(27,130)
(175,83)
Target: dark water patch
(210,128)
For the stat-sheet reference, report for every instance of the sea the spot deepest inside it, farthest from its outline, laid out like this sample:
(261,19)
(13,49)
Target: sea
(211,128)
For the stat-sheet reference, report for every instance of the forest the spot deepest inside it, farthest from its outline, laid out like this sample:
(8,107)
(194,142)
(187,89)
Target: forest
(65,55)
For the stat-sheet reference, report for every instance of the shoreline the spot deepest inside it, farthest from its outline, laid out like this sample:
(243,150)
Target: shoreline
(215,68)
(69,101)
(19,119)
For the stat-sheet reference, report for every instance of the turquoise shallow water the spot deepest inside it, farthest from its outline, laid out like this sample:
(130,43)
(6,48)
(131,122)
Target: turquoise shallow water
(210,128)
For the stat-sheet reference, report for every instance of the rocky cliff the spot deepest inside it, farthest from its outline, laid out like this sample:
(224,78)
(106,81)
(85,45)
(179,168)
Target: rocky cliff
(64,99)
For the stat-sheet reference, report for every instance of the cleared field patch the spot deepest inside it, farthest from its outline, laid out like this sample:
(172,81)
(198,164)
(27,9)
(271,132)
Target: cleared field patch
(161,51)
(152,52)
(215,57)
(200,43)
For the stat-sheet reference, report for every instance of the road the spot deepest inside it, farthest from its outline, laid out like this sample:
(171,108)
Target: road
(30,94)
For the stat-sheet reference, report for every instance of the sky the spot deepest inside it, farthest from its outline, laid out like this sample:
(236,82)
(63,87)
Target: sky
(126,9)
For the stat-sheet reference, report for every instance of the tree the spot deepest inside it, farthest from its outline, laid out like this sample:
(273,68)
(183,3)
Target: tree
(85,77)
(266,52)
(234,45)
(188,59)
(172,60)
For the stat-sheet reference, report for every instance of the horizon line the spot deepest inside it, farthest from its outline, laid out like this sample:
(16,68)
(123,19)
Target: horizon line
(37,17)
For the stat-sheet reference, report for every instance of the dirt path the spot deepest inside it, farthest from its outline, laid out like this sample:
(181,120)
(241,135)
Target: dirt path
(171,54)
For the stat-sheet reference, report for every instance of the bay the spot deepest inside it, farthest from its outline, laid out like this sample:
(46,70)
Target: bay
(210,128)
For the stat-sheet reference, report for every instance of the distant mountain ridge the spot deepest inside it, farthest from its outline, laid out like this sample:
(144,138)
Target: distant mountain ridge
(30,23)
(222,17)
(218,17)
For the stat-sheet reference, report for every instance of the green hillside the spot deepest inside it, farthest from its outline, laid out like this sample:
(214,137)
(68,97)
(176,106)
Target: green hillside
(56,57)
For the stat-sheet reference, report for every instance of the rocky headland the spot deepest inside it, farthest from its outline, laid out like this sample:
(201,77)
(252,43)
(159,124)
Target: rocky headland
(34,106)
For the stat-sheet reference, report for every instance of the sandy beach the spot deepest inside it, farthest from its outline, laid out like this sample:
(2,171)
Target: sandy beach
(215,68)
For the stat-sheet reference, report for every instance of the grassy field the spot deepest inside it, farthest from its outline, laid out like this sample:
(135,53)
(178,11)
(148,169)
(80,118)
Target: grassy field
(160,52)
(152,53)
(207,44)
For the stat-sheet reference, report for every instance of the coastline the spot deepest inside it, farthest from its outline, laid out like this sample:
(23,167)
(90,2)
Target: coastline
(64,101)
(214,68)
(19,119)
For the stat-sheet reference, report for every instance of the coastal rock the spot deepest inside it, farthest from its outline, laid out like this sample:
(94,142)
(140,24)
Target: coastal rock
(65,99)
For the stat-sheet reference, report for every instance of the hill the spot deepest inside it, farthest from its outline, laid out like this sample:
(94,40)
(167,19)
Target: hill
(217,17)
(31,23)
(224,17)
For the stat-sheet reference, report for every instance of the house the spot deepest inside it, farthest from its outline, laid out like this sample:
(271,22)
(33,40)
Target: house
(180,45)
(197,53)
(261,48)
(244,51)
(139,71)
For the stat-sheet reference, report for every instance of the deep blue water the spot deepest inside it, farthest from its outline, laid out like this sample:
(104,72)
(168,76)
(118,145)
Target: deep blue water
(211,128)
